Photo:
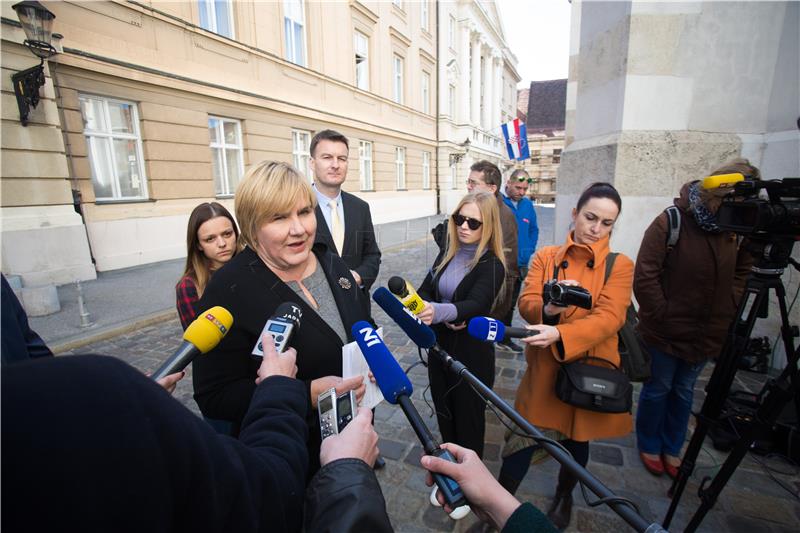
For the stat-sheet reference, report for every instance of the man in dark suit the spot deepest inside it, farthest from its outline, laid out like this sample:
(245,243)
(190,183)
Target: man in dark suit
(344,222)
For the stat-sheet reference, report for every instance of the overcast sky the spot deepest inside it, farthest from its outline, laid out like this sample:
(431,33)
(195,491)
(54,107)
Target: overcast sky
(537,31)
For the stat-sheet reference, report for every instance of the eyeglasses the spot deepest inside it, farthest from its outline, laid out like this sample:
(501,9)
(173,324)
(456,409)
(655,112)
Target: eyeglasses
(472,223)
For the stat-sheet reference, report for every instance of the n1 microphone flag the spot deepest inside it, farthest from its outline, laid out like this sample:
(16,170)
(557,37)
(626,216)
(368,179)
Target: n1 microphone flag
(515,134)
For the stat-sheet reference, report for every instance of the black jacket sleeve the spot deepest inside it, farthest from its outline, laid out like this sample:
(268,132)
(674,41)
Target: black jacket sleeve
(489,275)
(345,496)
(370,253)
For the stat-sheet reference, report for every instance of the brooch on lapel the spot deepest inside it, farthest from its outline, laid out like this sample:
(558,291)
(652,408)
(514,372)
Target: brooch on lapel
(344,283)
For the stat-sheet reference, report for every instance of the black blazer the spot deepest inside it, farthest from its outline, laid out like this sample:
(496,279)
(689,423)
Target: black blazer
(224,378)
(473,297)
(361,251)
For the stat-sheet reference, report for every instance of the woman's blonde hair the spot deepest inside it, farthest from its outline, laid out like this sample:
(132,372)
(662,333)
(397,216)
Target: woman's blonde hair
(268,188)
(491,237)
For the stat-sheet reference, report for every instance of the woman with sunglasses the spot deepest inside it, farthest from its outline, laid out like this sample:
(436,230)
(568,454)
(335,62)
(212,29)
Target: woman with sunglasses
(462,284)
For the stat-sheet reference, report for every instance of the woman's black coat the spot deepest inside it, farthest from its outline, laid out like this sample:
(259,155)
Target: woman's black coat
(224,378)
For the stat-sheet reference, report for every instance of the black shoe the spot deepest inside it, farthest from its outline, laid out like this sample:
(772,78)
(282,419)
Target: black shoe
(511,345)
(379,463)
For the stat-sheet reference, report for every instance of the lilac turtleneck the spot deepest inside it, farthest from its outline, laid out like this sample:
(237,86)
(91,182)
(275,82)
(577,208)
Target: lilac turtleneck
(456,269)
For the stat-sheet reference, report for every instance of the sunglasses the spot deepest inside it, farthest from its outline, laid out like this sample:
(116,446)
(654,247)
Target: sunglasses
(472,223)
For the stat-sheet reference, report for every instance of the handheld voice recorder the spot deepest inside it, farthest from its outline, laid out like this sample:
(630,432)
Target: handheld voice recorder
(281,326)
(335,412)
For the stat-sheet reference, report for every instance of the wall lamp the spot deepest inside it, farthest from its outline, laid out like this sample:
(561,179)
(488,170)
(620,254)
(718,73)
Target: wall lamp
(37,22)
(458,156)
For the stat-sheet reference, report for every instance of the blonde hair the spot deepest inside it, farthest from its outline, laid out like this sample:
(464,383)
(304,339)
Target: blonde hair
(491,237)
(737,165)
(268,188)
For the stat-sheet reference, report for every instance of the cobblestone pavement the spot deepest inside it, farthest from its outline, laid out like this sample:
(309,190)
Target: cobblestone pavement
(752,501)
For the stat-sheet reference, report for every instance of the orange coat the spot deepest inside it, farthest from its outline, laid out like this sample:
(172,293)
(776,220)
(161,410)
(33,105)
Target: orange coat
(582,331)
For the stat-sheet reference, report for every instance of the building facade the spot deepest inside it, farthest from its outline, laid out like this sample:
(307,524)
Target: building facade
(152,108)
(477,93)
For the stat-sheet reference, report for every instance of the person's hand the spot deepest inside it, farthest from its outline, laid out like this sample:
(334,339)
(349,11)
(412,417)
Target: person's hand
(426,315)
(320,385)
(371,377)
(274,364)
(553,310)
(547,335)
(356,277)
(171,381)
(487,498)
(455,327)
(357,441)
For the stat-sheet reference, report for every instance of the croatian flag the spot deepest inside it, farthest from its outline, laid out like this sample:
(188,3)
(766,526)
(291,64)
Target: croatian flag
(516,136)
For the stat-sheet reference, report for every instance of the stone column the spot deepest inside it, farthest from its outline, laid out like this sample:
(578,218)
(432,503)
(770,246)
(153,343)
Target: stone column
(464,65)
(497,68)
(475,77)
(487,87)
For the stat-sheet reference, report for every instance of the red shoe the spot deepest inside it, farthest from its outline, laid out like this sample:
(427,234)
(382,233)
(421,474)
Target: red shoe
(654,466)
(671,470)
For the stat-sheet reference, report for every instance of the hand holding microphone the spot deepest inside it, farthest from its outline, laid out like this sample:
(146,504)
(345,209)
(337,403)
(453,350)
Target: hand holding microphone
(408,296)
(274,364)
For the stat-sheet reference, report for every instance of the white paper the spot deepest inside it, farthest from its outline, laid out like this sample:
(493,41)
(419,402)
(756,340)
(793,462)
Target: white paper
(354,364)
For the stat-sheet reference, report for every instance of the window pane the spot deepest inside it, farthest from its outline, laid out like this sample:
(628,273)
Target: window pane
(287,33)
(101,167)
(224,23)
(213,133)
(93,117)
(293,9)
(233,160)
(120,117)
(300,58)
(204,20)
(231,132)
(127,166)
(219,173)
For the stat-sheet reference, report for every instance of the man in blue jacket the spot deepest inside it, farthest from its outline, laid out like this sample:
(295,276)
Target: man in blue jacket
(516,198)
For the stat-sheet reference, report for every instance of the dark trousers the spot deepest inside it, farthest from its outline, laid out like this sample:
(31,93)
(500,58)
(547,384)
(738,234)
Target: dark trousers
(523,272)
(459,409)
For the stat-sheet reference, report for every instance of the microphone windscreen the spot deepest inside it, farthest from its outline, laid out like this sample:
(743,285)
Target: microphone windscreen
(397,286)
(387,372)
(419,333)
(208,328)
(722,180)
(486,329)
(290,312)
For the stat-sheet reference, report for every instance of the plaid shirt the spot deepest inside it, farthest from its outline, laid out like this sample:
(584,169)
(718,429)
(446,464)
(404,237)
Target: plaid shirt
(186,292)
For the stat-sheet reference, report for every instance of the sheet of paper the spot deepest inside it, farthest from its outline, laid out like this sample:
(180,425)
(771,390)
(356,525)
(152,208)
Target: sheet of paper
(354,364)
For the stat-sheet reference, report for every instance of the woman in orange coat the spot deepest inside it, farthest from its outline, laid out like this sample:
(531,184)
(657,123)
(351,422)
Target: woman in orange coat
(568,334)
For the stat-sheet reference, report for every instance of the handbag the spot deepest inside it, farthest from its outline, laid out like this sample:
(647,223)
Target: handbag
(593,387)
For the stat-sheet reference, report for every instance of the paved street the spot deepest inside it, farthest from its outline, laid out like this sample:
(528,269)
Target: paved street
(752,501)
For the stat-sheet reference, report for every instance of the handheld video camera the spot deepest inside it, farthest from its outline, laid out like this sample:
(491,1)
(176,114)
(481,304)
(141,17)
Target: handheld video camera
(565,295)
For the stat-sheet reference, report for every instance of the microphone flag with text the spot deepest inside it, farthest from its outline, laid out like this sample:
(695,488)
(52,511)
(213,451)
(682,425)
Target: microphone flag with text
(490,330)
(397,389)
(406,294)
(202,336)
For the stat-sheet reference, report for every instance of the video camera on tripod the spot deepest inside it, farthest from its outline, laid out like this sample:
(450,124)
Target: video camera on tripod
(745,210)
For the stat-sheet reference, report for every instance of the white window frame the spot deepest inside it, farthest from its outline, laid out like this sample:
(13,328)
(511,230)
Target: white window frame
(365,150)
(452,101)
(426,170)
(211,17)
(398,3)
(451,32)
(398,75)
(426,92)
(424,15)
(291,45)
(400,167)
(362,82)
(453,177)
(300,155)
(226,187)
(92,147)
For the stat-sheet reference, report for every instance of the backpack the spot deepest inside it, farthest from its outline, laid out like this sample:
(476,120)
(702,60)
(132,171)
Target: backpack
(674,222)
(633,355)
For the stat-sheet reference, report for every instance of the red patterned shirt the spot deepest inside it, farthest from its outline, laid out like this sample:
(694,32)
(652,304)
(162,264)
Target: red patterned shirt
(186,293)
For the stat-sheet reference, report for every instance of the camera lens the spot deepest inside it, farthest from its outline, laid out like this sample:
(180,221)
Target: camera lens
(556,291)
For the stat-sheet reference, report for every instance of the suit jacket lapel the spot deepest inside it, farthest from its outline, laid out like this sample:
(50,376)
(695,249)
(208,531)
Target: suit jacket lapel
(350,225)
(323,232)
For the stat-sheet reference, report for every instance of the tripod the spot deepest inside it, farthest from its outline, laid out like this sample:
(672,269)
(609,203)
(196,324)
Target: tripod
(772,259)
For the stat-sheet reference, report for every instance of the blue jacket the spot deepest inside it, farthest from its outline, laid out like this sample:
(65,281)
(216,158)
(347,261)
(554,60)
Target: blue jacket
(527,228)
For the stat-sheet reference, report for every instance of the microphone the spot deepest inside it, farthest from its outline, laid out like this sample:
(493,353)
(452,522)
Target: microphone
(490,330)
(406,294)
(201,336)
(281,325)
(722,180)
(397,389)
(419,333)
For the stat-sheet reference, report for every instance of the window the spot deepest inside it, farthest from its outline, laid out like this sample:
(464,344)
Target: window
(398,3)
(426,92)
(400,167)
(294,31)
(361,47)
(453,182)
(398,79)
(557,155)
(426,170)
(365,165)
(227,155)
(217,16)
(112,135)
(451,33)
(424,15)
(451,101)
(301,157)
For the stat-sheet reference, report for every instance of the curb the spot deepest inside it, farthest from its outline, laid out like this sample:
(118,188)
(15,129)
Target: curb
(112,330)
